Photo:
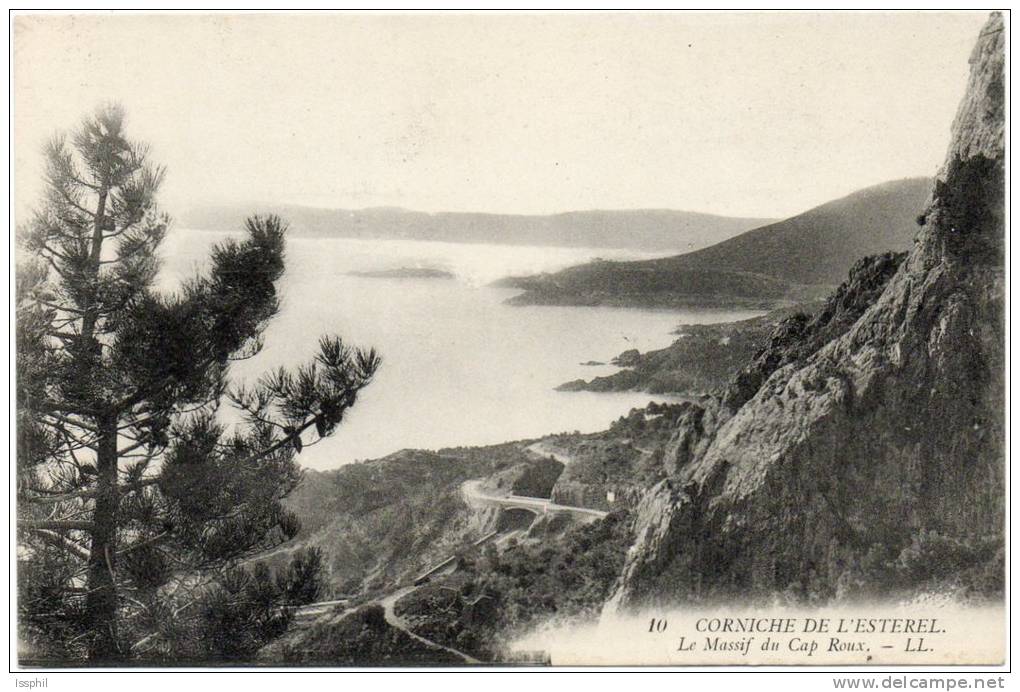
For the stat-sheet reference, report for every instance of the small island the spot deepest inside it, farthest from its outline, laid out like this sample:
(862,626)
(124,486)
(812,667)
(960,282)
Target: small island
(405,273)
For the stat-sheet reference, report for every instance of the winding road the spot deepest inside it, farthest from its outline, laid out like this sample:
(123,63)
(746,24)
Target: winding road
(475,497)
(539,505)
(389,609)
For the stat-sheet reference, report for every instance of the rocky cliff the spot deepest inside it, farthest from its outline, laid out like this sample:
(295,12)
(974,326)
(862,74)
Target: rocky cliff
(874,455)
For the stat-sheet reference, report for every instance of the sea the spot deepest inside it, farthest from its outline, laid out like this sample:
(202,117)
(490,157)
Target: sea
(460,366)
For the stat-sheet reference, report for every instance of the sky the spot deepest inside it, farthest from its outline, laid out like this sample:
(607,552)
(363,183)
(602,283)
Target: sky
(761,115)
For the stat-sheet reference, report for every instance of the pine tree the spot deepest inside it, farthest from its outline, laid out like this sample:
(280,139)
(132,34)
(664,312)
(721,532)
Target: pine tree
(131,485)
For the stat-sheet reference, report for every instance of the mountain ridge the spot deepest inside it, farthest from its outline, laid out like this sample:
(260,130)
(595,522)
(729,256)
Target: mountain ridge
(663,230)
(797,259)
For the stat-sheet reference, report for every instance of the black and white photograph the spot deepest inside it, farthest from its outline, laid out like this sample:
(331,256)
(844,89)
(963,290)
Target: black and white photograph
(508,340)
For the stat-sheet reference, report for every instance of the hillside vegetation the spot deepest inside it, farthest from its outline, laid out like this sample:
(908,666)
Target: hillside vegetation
(380,523)
(706,358)
(703,358)
(800,259)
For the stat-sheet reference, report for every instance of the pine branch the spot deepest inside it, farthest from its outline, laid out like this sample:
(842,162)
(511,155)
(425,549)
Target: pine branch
(55,306)
(67,198)
(47,406)
(279,444)
(174,412)
(82,494)
(83,183)
(57,268)
(74,444)
(146,392)
(123,229)
(141,544)
(62,542)
(63,336)
(43,247)
(60,420)
(59,525)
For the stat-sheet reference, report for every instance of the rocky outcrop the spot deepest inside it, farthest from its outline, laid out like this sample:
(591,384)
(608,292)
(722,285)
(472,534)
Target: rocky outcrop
(702,360)
(886,428)
(800,335)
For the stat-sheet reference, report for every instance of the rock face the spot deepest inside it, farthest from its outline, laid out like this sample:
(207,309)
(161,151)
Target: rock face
(887,431)
(800,335)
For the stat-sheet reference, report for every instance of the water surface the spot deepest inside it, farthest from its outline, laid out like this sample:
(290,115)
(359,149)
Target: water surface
(460,367)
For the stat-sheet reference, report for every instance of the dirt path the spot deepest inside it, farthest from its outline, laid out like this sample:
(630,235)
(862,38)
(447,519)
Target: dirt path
(389,608)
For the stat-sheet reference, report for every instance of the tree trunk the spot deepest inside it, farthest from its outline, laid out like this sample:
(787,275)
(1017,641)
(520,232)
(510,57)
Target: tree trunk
(101,601)
(88,322)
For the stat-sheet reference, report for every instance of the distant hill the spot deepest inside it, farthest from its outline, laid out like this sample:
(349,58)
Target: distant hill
(801,258)
(654,230)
